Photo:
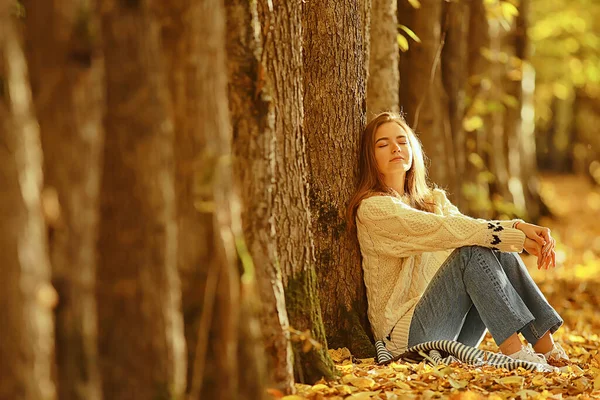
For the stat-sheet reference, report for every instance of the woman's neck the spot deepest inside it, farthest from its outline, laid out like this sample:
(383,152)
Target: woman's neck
(395,182)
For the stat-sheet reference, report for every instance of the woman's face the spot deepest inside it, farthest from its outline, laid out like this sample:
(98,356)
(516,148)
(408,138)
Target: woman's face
(393,152)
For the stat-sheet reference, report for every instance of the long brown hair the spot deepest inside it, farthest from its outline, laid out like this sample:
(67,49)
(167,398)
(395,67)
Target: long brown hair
(416,189)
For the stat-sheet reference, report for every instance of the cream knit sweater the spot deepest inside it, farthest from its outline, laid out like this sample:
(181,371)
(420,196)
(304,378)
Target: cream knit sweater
(402,249)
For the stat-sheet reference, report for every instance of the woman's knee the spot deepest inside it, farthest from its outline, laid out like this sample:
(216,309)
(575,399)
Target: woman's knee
(476,251)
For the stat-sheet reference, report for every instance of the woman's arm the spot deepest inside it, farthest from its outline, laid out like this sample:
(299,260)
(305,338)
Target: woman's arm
(396,228)
(541,235)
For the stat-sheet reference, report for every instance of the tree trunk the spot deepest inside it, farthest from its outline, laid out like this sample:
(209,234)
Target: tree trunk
(422,94)
(228,363)
(193,227)
(26,295)
(66,74)
(141,340)
(520,123)
(384,77)
(252,104)
(495,122)
(454,75)
(475,188)
(334,106)
(282,29)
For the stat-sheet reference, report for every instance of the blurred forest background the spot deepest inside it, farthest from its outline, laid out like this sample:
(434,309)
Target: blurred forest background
(175,175)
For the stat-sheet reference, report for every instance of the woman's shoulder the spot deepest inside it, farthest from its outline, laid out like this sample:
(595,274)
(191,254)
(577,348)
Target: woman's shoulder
(378,203)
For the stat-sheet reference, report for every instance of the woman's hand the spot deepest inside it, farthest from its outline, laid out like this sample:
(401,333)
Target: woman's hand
(537,233)
(541,236)
(544,259)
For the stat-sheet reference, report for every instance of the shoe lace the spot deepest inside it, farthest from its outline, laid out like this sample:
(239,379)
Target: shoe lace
(558,352)
(536,357)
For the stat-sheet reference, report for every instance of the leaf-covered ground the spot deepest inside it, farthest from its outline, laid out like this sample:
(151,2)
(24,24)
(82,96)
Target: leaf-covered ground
(573,288)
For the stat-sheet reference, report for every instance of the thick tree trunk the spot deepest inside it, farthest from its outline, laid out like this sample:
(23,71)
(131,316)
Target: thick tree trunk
(422,94)
(282,29)
(141,341)
(26,295)
(66,73)
(334,106)
(228,362)
(455,75)
(252,104)
(384,77)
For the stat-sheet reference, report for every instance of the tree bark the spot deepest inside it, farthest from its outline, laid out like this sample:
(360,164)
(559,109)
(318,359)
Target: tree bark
(228,362)
(252,103)
(26,295)
(422,94)
(384,76)
(66,75)
(282,29)
(334,106)
(141,341)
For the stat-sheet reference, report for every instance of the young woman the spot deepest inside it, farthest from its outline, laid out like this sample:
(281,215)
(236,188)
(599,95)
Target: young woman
(433,273)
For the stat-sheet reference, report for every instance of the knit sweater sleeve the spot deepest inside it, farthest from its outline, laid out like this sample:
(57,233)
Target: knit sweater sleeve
(396,228)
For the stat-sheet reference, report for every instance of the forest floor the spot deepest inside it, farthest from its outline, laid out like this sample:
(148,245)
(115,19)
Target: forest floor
(573,288)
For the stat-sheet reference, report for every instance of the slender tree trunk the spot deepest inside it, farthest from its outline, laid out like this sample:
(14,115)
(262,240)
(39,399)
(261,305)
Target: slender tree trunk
(252,104)
(334,106)
(384,76)
(529,168)
(228,362)
(455,75)
(422,94)
(66,74)
(193,226)
(475,187)
(141,341)
(496,123)
(26,295)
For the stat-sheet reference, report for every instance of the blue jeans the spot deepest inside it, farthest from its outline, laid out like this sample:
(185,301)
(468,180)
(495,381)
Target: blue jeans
(478,288)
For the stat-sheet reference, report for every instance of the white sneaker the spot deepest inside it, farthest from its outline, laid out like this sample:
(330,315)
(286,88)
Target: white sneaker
(528,354)
(557,353)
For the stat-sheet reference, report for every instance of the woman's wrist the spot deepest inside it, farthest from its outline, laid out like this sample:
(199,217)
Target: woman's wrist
(516,223)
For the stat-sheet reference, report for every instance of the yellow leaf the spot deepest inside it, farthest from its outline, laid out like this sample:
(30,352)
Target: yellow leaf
(472,123)
(597,383)
(362,383)
(415,3)
(293,397)
(410,33)
(362,396)
(457,384)
(402,385)
(319,387)
(538,380)
(509,10)
(512,380)
(402,42)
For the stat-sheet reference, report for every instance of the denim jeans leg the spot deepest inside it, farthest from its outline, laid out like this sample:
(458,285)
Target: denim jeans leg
(473,329)
(470,276)
(546,318)
(440,312)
